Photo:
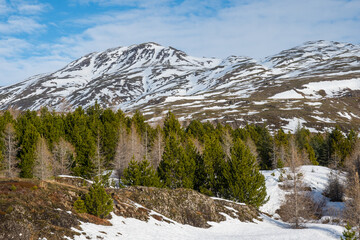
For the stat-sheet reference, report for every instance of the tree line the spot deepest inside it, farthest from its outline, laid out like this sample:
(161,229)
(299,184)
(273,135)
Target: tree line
(214,159)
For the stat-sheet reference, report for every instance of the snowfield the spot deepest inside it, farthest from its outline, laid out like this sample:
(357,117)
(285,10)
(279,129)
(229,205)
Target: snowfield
(129,228)
(269,228)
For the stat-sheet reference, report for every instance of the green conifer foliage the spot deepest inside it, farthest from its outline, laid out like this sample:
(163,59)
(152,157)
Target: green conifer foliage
(27,150)
(79,206)
(140,174)
(246,183)
(97,201)
(348,233)
(81,136)
(213,166)
(172,169)
(171,125)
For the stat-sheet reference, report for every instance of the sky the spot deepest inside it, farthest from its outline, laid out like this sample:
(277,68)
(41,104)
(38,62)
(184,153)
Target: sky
(43,36)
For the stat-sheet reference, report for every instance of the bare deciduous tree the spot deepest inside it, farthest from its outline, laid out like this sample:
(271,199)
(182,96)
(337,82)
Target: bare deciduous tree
(298,205)
(123,152)
(352,192)
(43,160)
(99,158)
(10,151)
(157,149)
(63,157)
(137,146)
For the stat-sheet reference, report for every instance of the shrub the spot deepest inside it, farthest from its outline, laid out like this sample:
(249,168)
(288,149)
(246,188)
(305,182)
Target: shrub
(334,189)
(79,206)
(12,188)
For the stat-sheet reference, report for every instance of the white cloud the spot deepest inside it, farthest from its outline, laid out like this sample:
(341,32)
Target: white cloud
(257,28)
(19,24)
(31,9)
(11,47)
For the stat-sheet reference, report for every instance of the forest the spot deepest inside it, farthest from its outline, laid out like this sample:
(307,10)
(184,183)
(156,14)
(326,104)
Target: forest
(216,160)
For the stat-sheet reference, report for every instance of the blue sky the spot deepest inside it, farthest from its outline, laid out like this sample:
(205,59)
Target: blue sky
(42,36)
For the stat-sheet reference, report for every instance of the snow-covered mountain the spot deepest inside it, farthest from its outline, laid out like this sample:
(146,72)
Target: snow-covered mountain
(320,80)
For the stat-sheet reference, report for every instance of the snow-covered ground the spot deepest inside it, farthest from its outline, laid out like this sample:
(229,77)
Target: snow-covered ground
(315,177)
(269,228)
(129,228)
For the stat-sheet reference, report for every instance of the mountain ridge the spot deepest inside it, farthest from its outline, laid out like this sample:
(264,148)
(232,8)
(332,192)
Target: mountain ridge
(155,78)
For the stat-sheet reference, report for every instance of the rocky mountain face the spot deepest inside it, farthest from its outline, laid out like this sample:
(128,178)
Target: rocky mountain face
(316,84)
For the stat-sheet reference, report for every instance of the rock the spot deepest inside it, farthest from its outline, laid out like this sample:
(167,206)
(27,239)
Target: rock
(181,205)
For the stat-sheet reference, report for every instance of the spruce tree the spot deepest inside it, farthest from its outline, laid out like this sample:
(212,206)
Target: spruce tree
(246,183)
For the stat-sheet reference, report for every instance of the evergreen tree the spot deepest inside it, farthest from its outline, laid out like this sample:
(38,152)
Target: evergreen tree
(212,181)
(97,201)
(82,138)
(246,183)
(79,206)
(27,153)
(140,174)
(172,169)
(171,125)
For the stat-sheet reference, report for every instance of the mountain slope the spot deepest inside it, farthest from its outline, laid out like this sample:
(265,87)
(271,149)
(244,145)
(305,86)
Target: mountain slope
(319,80)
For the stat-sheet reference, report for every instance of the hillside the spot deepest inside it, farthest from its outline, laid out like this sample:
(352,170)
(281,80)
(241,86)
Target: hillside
(316,84)
(31,211)
(159,213)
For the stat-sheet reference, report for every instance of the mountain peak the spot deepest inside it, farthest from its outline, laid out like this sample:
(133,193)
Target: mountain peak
(153,78)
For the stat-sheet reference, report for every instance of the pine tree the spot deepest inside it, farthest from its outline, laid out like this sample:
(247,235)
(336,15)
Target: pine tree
(140,174)
(79,206)
(172,169)
(348,233)
(171,125)
(246,183)
(27,149)
(97,201)
(212,166)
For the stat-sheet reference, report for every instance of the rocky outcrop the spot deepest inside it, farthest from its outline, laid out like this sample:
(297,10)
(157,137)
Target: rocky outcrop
(181,205)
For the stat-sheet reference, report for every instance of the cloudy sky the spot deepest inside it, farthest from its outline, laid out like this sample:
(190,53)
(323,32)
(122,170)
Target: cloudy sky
(42,36)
